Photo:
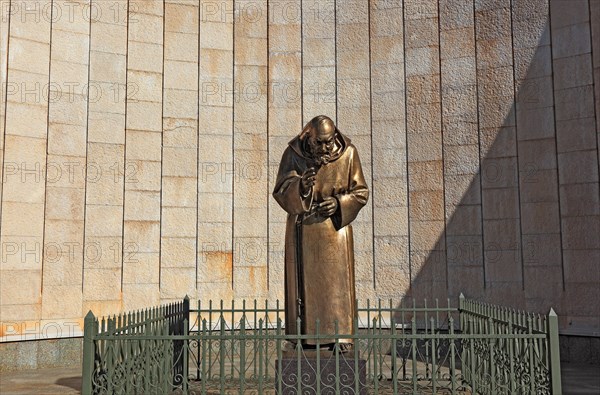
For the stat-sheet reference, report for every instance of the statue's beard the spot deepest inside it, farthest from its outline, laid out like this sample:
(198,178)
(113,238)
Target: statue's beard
(322,160)
(318,156)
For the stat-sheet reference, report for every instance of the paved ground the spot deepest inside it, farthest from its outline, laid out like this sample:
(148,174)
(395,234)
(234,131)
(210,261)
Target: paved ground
(577,379)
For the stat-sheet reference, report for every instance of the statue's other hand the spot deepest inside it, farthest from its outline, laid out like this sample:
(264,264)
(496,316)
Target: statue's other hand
(328,207)
(308,180)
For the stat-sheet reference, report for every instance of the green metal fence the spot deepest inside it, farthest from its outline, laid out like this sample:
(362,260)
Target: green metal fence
(139,352)
(398,349)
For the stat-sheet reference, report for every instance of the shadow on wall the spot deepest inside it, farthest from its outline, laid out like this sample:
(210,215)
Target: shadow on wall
(504,241)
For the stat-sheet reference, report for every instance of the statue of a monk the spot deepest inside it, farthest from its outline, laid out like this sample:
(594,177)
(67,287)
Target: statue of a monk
(321,186)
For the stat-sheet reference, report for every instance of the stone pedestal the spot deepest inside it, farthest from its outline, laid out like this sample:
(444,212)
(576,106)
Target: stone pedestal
(348,376)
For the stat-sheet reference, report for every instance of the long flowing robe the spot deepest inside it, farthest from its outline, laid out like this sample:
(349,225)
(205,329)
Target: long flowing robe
(320,247)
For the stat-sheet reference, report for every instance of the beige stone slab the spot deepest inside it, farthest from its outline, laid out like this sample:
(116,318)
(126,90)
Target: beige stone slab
(26,119)
(461,159)
(426,235)
(390,221)
(178,222)
(494,53)
(216,35)
(140,237)
(143,145)
(144,115)
(62,301)
(390,192)
(180,162)
(143,175)
(113,13)
(182,18)
(426,205)
(64,203)
(153,7)
(109,97)
(284,37)
(177,282)
(140,296)
(141,56)
(105,127)
(24,169)
(384,77)
(108,37)
(103,173)
(67,140)
(22,252)
(455,15)
(142,206)
(20,287)
(149,29)
(254,223)
(252,282)
(29,56)
(22,219)
(425,175)
(181,75)
(424,146)
(144,86)
(420,9)
(464,250)
(215,236)
(70,46)
(102,285)
(178,252)
(31,21)
(179,132)
(66,171)
(251,51)
(104,220)
(215,63)
(67,78)
(68,109)
(180,103)
(63,263)
(387,49)
(140,268)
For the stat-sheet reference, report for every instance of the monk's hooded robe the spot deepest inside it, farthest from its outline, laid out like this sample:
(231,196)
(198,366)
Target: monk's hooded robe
(321,247)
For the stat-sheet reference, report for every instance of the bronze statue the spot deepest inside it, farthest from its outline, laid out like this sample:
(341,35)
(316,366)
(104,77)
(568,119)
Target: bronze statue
(321,186)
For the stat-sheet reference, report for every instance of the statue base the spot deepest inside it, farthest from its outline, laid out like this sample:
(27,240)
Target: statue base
(351,381)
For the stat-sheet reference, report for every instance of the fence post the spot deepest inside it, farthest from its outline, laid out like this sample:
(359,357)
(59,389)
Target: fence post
(186,308)
(554,353)
(88,353)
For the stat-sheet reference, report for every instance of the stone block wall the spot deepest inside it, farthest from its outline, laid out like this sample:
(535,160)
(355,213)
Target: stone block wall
(140,140)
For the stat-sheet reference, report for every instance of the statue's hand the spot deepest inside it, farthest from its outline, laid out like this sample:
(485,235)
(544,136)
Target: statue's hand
(328,207)
(308,180)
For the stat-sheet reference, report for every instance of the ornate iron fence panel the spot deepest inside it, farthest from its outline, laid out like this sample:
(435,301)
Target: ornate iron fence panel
(520,354)
(397,350)
(136,352)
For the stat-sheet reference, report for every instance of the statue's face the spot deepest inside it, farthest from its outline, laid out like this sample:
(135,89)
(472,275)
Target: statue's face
(322,142)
